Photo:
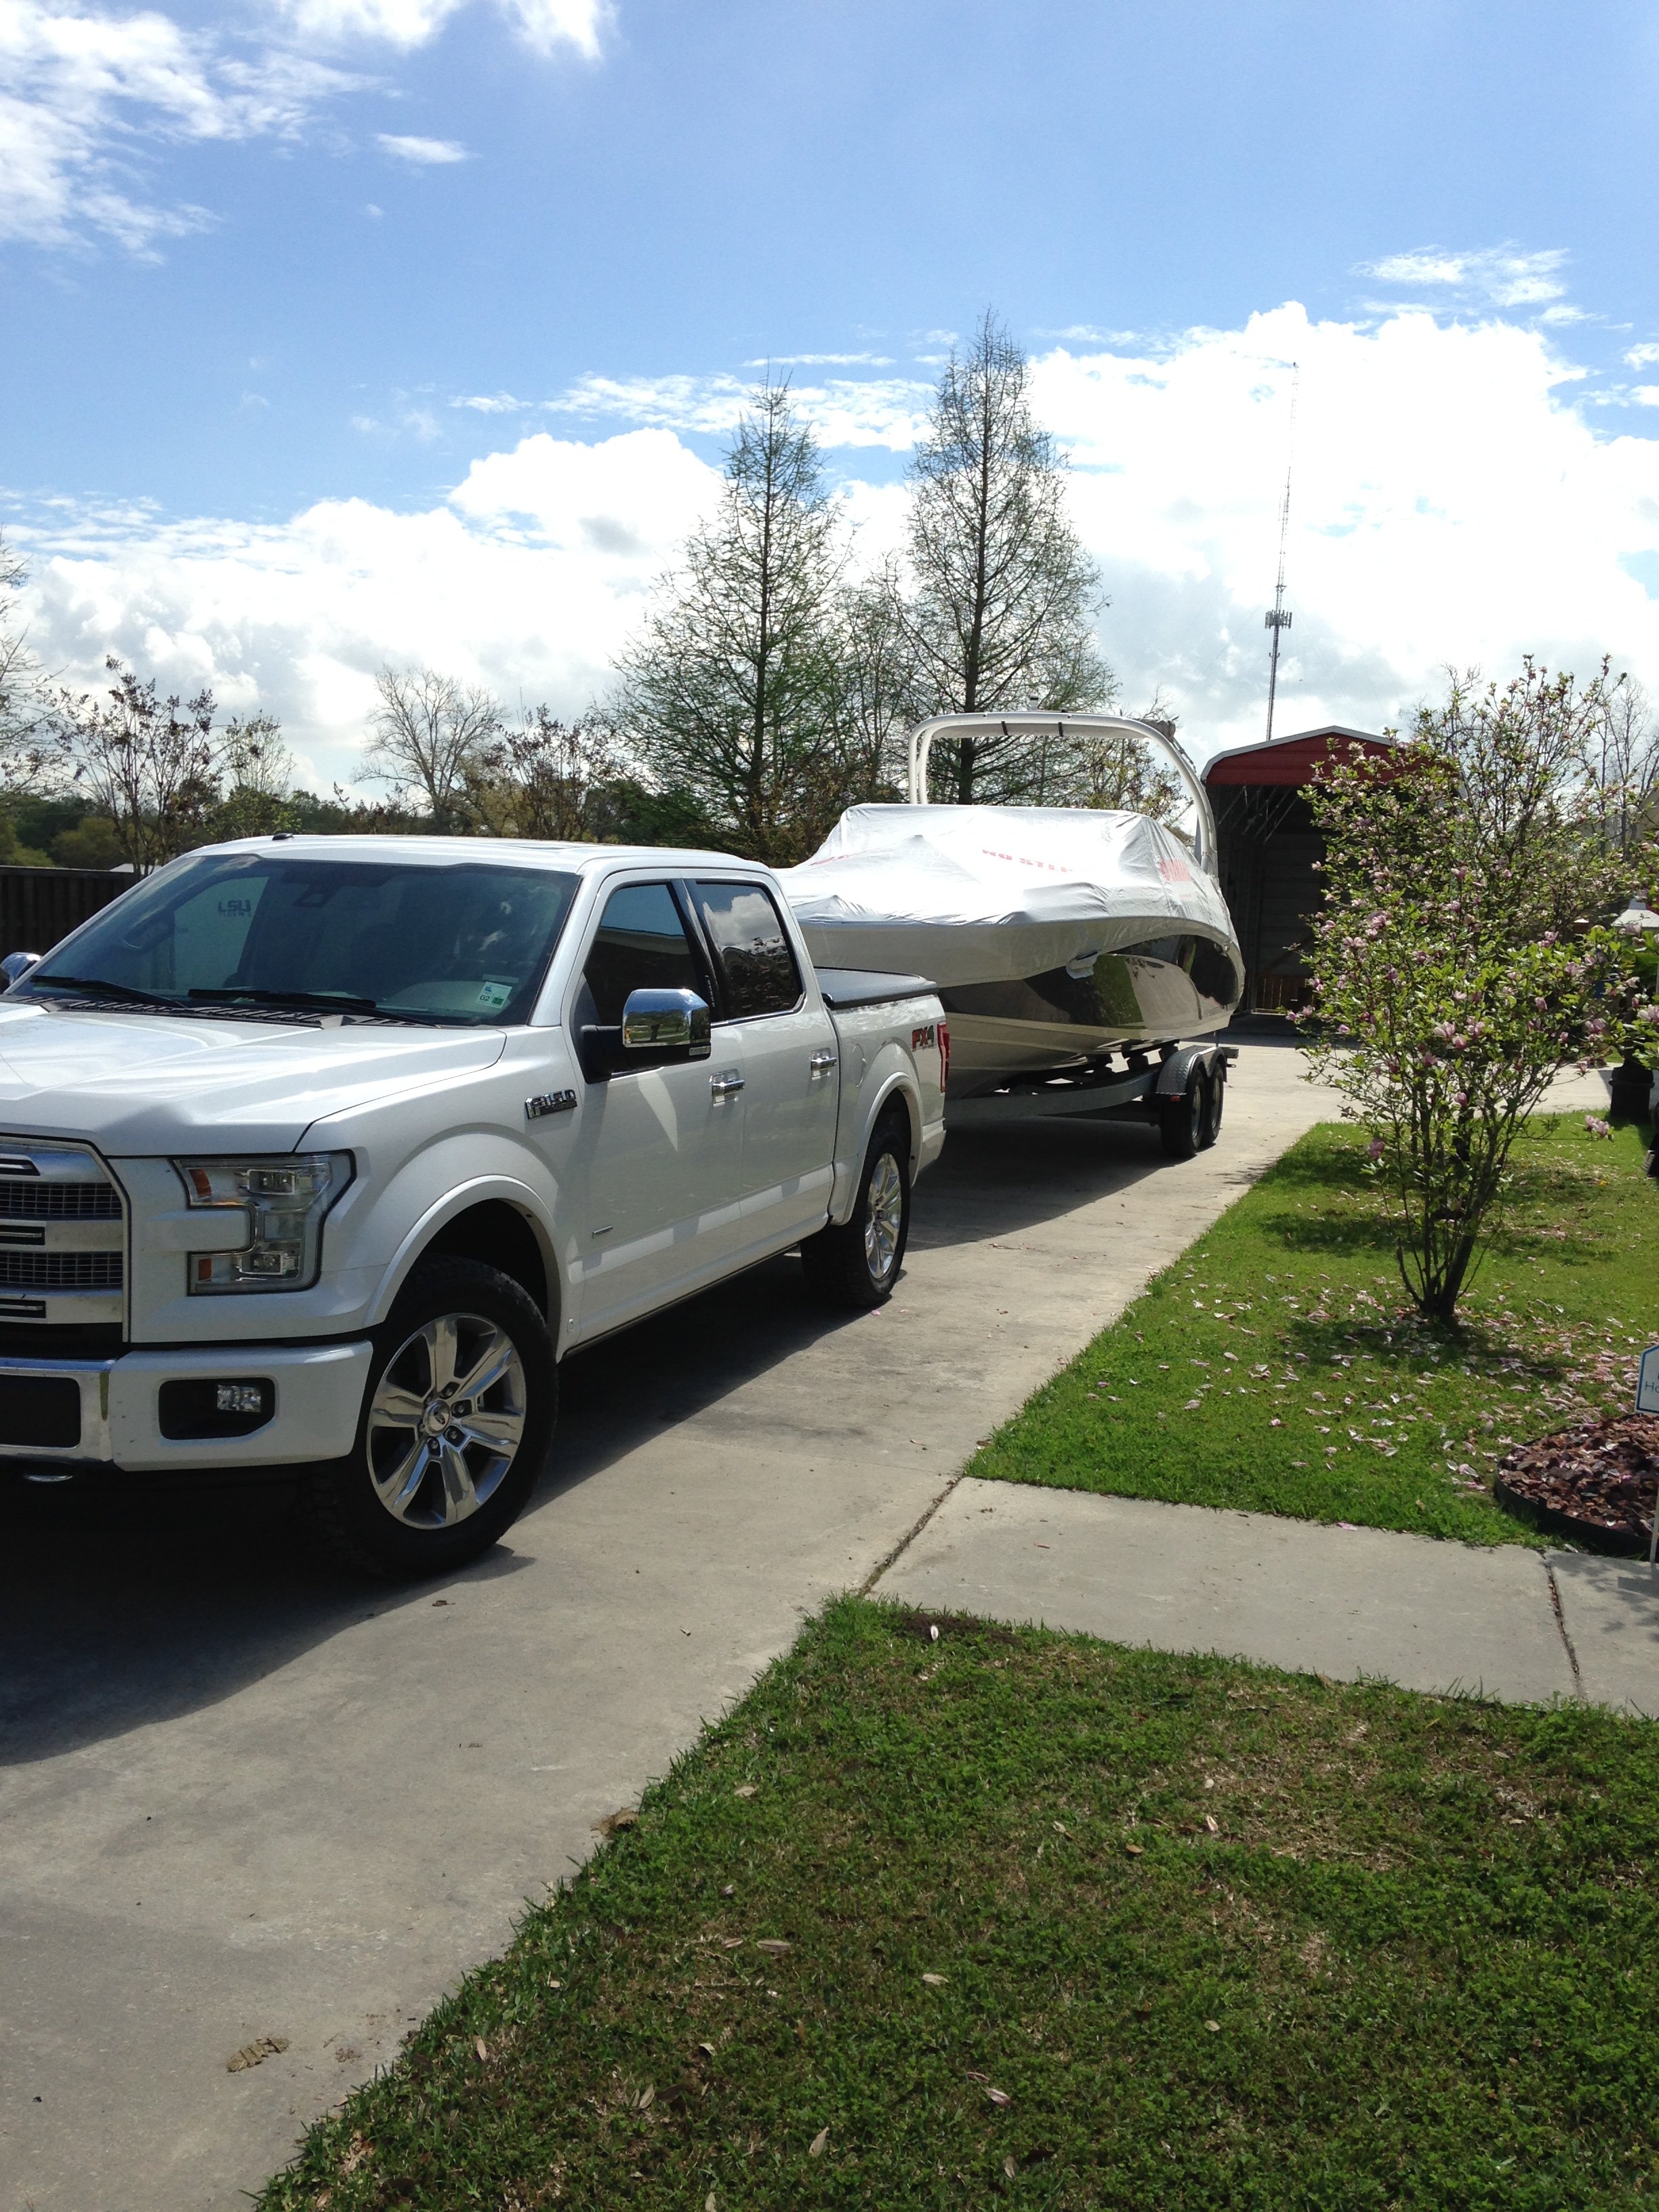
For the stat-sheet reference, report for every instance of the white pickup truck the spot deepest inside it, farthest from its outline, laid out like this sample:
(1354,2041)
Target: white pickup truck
(318,1154)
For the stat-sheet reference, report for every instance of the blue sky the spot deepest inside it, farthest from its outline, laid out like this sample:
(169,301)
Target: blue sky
(256,264)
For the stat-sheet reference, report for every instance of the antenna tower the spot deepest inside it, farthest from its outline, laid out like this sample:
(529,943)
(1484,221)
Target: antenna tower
(1277,617)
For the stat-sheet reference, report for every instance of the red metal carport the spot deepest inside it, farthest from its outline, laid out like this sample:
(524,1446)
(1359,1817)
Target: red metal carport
(1269,854)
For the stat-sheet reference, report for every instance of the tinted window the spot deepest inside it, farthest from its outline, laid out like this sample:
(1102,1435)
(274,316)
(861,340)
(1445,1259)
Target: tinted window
(749,943)
(642,945)
(453,941)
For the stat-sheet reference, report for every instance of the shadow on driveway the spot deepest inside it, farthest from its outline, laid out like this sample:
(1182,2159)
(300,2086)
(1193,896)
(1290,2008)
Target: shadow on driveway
(121,1607)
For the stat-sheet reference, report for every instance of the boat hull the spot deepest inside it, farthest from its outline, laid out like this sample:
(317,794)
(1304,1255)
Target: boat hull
(1152,993)
(1052,936)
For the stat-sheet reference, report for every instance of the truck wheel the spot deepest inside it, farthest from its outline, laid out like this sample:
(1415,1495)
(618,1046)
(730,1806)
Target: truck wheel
(1183,1121)
(456,1425)
(856,1263)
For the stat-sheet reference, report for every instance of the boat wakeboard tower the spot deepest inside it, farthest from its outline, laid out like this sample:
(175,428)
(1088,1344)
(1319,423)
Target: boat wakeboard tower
(1057,936)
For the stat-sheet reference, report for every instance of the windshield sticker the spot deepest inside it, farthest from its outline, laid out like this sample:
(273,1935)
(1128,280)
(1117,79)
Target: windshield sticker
(495,995)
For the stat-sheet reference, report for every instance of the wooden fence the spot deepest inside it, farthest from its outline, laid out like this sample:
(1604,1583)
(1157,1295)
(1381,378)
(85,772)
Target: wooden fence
(39,907)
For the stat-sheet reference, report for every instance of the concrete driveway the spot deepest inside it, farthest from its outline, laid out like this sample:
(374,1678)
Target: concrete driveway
(244,1797)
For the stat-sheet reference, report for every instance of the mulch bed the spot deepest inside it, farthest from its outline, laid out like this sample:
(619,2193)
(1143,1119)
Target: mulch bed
(1595,1482)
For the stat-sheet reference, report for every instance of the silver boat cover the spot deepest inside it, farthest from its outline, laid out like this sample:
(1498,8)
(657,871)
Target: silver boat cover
(984,894)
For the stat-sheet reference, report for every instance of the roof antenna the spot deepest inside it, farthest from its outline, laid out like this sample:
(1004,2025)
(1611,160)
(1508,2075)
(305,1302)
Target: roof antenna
(1278,618)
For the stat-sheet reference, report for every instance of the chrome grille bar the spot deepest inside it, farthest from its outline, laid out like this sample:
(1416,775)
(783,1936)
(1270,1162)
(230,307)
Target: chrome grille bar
(74,1272)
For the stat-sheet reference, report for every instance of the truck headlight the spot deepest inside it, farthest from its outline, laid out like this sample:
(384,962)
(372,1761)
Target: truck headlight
(283,1197)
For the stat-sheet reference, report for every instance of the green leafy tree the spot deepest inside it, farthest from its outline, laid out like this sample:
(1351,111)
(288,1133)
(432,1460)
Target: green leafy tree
(998,610)
(1462,956)
(256,770)
(147,765)
(732,690)
(543,778)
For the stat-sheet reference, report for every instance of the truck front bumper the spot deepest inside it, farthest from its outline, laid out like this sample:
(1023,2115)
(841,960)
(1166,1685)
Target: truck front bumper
(314,1394)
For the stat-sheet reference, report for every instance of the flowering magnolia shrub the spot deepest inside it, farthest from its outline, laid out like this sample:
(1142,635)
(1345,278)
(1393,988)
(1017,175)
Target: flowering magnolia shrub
(1459,960)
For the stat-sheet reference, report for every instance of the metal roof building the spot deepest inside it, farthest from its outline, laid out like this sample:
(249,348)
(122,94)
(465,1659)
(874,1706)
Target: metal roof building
(1269,854)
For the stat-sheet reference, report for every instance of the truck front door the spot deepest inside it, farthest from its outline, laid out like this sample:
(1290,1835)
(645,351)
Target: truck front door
(658,1165)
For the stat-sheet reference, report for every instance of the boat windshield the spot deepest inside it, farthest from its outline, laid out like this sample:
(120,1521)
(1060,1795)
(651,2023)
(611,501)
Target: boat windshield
(462,942)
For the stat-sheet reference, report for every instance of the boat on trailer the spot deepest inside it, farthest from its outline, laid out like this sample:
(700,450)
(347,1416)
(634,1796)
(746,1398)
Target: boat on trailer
(1055,937)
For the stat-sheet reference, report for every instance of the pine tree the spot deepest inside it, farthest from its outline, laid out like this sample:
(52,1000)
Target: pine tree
(1001,592)
(733,692)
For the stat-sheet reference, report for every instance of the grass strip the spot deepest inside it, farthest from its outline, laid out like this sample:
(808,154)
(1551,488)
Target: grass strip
(1278,1365)
(1007,1917)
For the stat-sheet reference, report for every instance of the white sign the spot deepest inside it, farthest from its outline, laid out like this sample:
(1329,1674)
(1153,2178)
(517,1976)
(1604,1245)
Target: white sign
(1647,1381)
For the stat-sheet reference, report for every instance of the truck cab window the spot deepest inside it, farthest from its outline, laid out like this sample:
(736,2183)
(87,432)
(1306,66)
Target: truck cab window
(640,945)
(757,964)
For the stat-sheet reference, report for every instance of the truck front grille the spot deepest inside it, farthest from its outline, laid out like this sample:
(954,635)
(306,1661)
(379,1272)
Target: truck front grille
(56,1200)
(60,1271)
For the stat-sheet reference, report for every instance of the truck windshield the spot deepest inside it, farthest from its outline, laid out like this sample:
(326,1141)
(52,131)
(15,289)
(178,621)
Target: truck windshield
(461,941)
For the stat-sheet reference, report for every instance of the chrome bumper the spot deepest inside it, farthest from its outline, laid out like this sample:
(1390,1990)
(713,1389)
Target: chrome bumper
(318,1390)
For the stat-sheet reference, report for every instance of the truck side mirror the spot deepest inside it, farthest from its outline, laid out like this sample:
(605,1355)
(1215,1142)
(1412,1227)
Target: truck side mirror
(659,1021)
(17,965)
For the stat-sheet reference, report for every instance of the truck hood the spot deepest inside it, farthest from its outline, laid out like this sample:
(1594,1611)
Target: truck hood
(138,1083)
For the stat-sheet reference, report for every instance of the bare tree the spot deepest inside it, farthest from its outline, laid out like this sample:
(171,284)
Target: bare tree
(544,778)
(732,690)
(20,683)
(429,733)
(1623,759)
(1001,592)
(256,768)
(880,696)
(1121,771)
(149,765)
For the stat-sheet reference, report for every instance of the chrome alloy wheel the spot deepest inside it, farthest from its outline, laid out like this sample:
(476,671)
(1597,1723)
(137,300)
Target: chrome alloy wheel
(884,1217)
(446,1420)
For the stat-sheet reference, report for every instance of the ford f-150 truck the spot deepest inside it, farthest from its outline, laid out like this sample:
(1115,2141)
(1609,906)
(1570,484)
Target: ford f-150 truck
(316,1155)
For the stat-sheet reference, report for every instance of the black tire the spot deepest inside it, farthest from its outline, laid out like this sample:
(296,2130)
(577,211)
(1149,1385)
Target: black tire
(458,1486)
(857,1262)
(1183,1121)
(1215,1083)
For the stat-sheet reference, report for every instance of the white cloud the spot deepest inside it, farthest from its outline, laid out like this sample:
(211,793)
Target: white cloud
(528,578)
(83,92)
(422,153)
(822,360)
(1642,357)
(845,411)
(492,403)
(1450,503)
(1504,275)
(90,97)
(546,25)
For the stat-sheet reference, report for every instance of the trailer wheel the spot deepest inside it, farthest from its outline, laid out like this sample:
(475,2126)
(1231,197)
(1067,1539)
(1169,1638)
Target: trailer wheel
(1216,1084)
(1182,1122)
(856,1262)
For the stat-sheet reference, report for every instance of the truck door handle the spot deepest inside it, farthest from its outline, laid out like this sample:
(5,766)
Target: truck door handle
(820,1062)
(726,1083)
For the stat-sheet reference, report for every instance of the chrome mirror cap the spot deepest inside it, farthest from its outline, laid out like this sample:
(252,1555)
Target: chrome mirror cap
(655,1021)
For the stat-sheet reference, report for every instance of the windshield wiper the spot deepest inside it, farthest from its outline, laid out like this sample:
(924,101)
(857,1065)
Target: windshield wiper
(95,987)
(330,1002)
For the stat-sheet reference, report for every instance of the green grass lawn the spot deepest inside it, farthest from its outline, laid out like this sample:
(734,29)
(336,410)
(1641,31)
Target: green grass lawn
(1010,1917)
(1278,1365)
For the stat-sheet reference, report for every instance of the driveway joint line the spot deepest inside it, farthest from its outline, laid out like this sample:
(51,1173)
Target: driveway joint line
(1561,1624)
(908,1539)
